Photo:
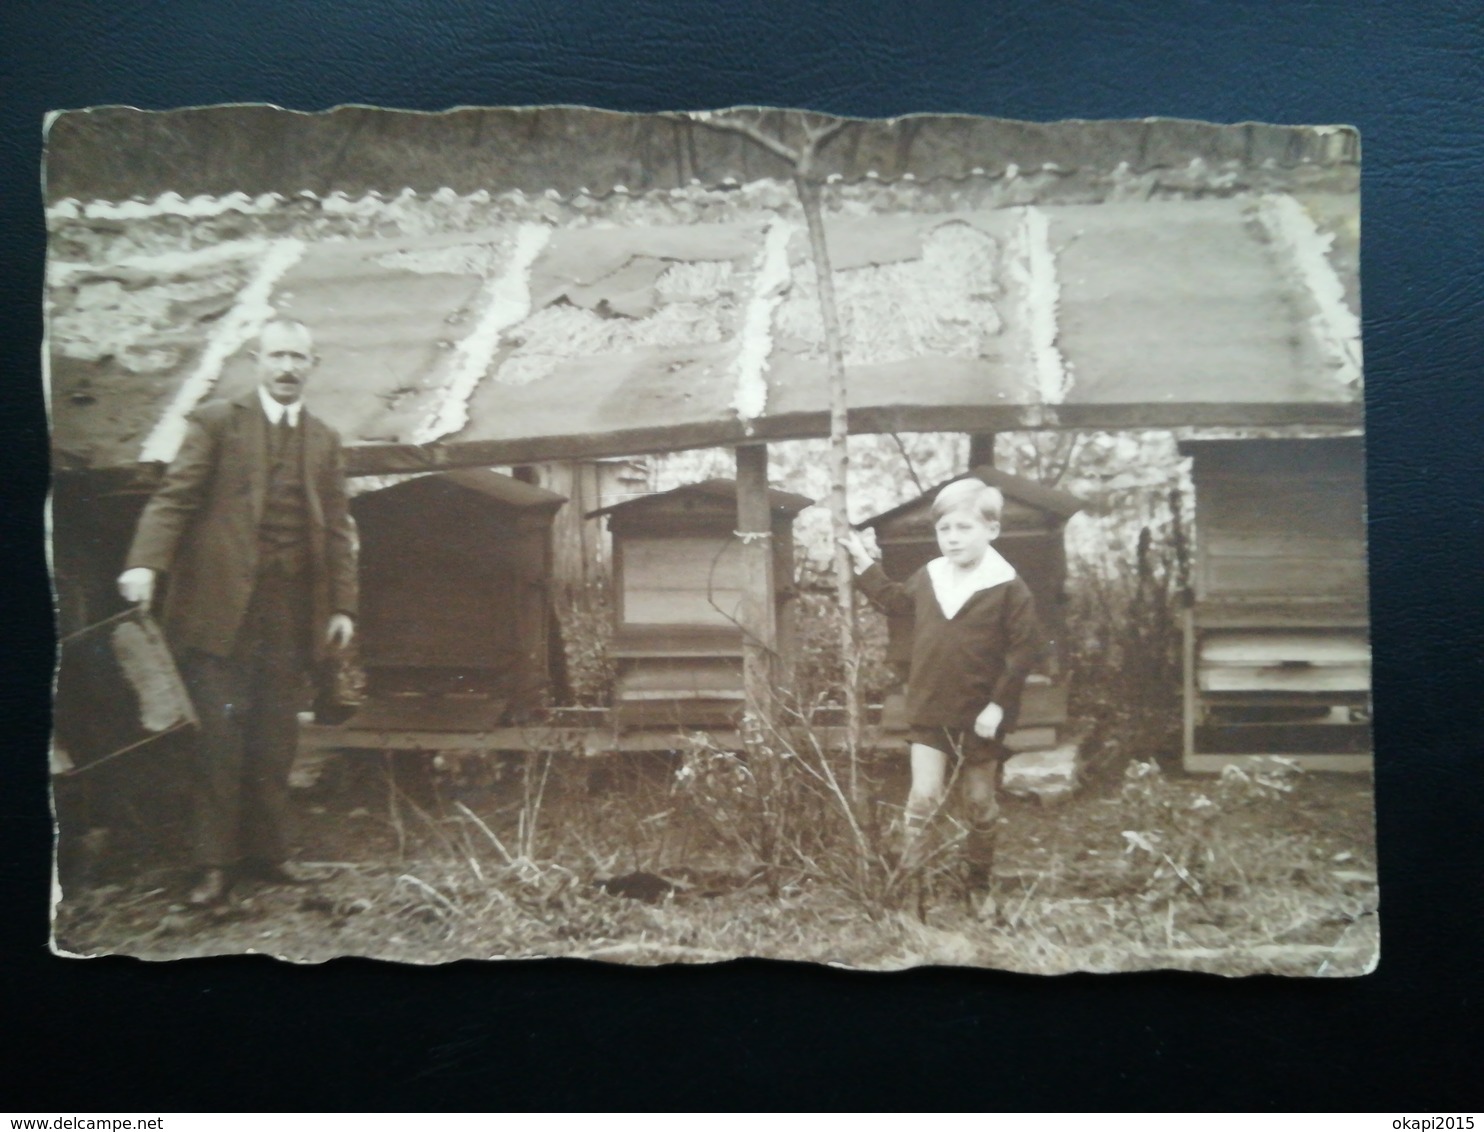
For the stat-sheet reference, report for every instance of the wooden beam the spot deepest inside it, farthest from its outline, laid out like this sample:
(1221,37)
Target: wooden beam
(386,459)
(758,611)
(576,741)
(378,459)
(981,450)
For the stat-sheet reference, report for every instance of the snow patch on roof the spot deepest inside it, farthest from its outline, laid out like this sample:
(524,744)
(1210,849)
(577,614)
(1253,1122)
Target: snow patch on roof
(1335,325)
(507,302)
(1032,265)
(771,281)
(239,326)
(163,265)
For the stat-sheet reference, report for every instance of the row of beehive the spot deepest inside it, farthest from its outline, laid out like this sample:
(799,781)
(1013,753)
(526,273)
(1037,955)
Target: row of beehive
(458,631)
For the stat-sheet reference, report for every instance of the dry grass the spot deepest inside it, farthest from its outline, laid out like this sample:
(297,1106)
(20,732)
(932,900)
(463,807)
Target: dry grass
(546,856)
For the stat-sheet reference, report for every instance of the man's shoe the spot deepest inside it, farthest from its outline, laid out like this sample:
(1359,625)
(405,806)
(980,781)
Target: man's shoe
(212,890)
(286,872)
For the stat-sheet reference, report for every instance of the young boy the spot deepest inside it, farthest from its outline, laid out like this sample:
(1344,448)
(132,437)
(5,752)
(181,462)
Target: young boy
(974,641)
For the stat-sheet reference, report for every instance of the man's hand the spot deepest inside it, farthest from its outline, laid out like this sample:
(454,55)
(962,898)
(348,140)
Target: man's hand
(341,629)
(137,584)
(856,547)
(988,721)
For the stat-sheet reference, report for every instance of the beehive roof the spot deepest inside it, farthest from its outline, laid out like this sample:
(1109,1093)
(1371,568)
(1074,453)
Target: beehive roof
(1060,503)
(491,484)
(785,502)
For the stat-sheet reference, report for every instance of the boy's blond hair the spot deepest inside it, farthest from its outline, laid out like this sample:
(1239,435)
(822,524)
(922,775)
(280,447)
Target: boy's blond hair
(972,493)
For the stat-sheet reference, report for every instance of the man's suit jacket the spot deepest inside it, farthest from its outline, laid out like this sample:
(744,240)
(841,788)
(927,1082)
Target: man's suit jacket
(201,526)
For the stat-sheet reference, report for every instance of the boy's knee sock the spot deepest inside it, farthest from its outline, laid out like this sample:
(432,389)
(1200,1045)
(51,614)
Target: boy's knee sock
(979,850)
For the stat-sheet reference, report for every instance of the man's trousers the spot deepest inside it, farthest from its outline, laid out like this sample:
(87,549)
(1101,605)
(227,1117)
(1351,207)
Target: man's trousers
(248,705)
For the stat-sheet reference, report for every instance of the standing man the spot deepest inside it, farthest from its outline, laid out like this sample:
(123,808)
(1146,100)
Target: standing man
(252,531)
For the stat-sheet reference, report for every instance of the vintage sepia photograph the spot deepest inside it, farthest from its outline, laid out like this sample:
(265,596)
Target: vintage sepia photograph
(671,538)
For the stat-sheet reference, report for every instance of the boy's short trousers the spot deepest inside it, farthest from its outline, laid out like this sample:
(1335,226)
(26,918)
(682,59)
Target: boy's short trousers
(962,744)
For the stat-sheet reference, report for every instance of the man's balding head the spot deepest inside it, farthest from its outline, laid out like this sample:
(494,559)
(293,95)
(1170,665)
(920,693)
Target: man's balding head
(285,357)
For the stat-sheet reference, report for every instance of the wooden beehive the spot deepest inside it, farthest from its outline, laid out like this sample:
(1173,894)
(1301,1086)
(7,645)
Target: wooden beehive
(1032,539)
(455,625)
(1277,654)
(93,521)
(678,578)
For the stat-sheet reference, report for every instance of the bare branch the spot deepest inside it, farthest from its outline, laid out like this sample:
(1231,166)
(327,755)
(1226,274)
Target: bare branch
(907,459)
(816,137)
(751,131)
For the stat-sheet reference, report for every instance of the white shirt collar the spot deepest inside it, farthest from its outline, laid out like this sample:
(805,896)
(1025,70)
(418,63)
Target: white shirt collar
(953,588)
(276,409)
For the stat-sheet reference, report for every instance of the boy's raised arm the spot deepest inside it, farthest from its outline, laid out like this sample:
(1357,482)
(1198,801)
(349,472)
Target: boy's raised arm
(893,597)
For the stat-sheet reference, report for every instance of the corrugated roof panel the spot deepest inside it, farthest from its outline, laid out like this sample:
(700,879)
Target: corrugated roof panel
(548,335)
(1184,302)
(384,333)
(644,392)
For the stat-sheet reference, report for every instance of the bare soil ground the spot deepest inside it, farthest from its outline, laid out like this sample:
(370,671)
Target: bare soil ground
(603,859)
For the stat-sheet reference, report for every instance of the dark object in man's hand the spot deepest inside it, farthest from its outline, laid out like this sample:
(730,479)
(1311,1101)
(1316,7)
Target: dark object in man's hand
(340,687)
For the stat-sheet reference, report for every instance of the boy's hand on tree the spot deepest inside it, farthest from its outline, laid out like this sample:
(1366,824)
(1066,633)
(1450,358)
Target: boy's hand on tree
(988,722)
(859,555)
(137,584)
(340,630)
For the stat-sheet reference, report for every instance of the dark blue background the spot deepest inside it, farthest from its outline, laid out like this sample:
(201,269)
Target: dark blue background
(253,1034)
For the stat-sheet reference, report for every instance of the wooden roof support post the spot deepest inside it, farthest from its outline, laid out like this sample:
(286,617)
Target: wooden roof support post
(574,538)
(981,450)
(759,612)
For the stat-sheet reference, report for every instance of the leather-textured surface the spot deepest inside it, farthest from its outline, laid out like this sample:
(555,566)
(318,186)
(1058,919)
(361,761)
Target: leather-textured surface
(248,1033)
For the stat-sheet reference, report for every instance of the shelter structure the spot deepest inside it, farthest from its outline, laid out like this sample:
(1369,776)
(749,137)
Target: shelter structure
(680,582)
(1277,653)
(1032,540)
(657,291)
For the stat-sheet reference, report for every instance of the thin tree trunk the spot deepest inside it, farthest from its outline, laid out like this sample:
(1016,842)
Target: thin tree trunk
(809,196)
(816,135)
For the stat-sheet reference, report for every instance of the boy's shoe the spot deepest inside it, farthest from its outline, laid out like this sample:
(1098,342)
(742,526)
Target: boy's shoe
(979,851)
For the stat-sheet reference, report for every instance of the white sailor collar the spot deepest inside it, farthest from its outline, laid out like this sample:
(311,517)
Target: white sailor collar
(953,589)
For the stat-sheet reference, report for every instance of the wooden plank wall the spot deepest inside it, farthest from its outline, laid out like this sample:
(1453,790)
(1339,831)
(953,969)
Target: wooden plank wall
(690,580)
(1281,521)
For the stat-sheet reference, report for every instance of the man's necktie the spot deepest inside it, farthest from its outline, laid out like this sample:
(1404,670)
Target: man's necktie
(282,432)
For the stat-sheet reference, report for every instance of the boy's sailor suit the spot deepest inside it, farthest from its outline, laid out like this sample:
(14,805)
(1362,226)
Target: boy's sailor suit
(975,640)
